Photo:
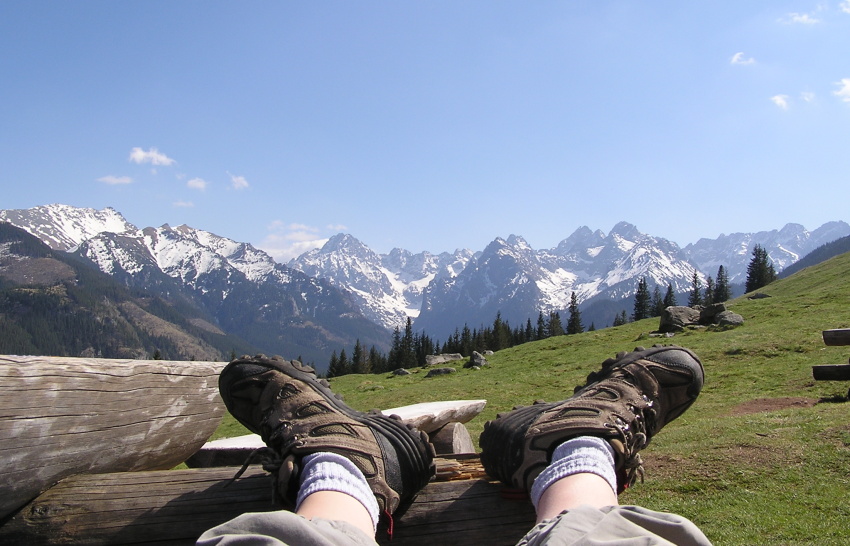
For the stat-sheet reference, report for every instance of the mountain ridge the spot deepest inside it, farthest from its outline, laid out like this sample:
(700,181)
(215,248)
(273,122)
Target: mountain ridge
(345,281)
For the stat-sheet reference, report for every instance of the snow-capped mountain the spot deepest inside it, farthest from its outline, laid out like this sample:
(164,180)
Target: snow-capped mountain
(387,288)
(512,278)
(784,246)
(63,227)
(329,296)
(279,310)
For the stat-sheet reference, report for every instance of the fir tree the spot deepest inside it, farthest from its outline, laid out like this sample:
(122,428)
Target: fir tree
(657,302)
(541,326)
(554,327)
(708,298)
(721,289)
(574,325)
(670,297)
(344,364)
(621,318)
(641,309)
(760,271)
(695,297)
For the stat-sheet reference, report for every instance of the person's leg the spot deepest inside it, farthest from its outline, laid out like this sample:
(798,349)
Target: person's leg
(339,468)
(581,473)
(575,456)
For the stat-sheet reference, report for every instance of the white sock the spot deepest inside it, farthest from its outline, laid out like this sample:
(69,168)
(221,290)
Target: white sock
(578,455)
(331,472)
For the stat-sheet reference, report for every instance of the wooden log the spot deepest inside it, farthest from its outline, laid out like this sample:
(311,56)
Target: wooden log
(838,336)
(175,507)
(453,438)
(830,372)
(65,416)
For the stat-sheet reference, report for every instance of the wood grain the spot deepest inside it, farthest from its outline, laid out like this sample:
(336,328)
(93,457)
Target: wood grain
(65,416)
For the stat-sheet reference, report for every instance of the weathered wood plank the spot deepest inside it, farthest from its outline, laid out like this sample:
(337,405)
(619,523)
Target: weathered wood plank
(828,372)
(175,507)
(64,416)
(838,336)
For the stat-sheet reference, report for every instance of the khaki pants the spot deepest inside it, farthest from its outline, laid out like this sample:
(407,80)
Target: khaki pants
(612,526)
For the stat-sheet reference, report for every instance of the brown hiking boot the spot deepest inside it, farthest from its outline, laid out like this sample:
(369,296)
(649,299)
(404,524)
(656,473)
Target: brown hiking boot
(297,414)
(626,403)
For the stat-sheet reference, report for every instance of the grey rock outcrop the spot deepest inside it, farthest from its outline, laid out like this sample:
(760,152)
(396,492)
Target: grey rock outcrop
(677,318)
(476,360)
(433,360)
(440,371)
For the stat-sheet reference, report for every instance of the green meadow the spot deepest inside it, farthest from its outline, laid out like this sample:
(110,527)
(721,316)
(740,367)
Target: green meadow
(762,457)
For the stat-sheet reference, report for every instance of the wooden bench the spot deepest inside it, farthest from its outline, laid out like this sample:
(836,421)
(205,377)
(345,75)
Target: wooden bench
(85,443)
(834,372)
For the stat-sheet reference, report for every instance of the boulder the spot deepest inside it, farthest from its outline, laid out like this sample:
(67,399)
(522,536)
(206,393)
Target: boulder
(728,318)
(433,360)
(440,371)
(708,314)
(477,359)
(401,371)
(677,318)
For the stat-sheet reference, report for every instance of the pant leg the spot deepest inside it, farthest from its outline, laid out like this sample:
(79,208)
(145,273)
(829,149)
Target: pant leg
(283,528)
(613,526)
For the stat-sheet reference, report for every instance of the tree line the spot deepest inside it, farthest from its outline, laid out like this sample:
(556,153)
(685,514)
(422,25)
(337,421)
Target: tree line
(409,349)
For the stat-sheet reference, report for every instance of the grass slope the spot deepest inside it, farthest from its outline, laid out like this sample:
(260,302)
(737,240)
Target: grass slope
(763,457)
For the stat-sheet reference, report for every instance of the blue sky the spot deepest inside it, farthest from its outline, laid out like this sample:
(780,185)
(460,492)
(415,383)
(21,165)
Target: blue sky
(429,125)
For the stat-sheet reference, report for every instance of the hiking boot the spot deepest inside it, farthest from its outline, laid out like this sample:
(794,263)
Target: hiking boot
(626,403)
(297,414)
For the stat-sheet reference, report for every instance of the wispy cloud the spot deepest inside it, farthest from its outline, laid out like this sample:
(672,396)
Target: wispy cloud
(799,19)
(780,101)
(152,156)
(845,6)
(115,180)
(738,58)
(337,227)
(238,182)
(183,204)
(287,241)
(844,92)
(807,96)
(197,184)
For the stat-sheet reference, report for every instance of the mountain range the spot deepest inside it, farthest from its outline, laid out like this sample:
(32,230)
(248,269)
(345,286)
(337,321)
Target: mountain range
(328,297)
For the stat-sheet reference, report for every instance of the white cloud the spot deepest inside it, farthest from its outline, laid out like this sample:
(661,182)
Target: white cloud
(238,182)
(844,92)
(800,19)
(287,241)
(115,180)
(152,156)
(807,96)
(337,227)
(780,101)
(197,184)
(183,204)
(738,58)
(845,6)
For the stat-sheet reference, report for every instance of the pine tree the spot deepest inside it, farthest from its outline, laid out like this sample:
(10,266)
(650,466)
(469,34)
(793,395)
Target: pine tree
(574,325)
(333,366)
(657,302)
(344,364)
(708,298)
(621,318)
(695,297)
(555,327)
(641,309)
(760,271)
(529,331)
(721,289)
(541,326)
(670,297)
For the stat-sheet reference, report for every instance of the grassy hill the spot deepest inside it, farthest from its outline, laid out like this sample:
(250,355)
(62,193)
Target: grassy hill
(763,457)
